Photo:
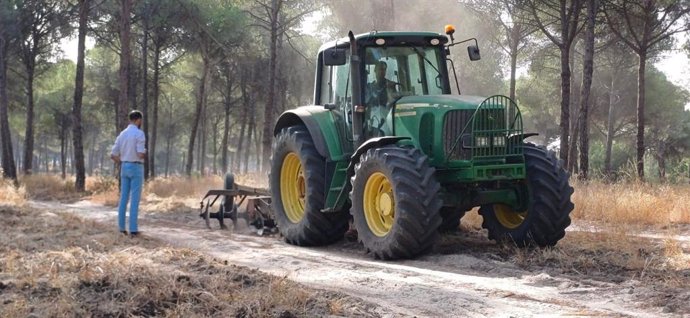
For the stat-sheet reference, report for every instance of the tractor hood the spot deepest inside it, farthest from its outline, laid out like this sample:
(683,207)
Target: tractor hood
(449,101)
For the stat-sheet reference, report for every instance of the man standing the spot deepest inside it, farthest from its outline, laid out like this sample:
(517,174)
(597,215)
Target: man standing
(130,151)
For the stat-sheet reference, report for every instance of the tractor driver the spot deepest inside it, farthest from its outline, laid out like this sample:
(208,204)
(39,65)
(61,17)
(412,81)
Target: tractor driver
(381,91)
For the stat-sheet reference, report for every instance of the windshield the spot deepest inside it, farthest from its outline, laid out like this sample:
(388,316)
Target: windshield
(393,72)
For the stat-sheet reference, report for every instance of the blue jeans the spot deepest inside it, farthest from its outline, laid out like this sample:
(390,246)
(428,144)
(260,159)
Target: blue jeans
(132,177)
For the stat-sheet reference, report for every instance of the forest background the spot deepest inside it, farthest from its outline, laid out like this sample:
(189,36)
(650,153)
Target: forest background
(211,77)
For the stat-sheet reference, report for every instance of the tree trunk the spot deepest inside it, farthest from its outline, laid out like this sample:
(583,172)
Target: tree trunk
(80,181)
(92,154)
(272,67)
(575,85)
(514,43)
(224,142)
(513,67)
(198,146)
(40,156)
(29,135)
(197,117)
(640,114)
(257,146)
(574,137)
(215,148)
(226,122)
(145,86)
(660,155)
(245,107)
(240,141)
(9,170)
(154,113)
(204,142)
(133,80)
(72,161)
(125,62)
(63,157)
(252,123)
(168,143)
(565,103)
(587,71)
(609,127)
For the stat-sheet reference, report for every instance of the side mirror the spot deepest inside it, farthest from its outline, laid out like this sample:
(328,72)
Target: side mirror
(473,52)
(334,56)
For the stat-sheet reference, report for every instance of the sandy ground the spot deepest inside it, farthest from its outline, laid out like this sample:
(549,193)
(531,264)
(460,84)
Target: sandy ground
(460,279)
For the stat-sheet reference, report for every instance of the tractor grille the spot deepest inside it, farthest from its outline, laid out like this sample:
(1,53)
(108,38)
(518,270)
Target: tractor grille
(496,119)
(455,123)
(484,133)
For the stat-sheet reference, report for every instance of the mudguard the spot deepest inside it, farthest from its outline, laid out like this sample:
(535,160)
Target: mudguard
(321,126)
(371,143)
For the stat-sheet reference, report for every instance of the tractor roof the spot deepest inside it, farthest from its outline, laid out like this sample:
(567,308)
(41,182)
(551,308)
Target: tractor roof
(397,35)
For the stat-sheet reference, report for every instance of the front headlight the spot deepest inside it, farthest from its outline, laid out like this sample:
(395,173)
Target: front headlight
(481,142)
(499,141)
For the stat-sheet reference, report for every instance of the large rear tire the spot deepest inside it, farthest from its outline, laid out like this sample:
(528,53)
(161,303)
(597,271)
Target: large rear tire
(395,202)
(549,206)
(297,185)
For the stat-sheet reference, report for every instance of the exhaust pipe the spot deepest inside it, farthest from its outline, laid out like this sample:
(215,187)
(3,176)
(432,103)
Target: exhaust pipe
(355,78)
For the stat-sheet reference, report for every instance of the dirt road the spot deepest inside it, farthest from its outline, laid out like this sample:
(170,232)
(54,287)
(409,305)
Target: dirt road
(460,279)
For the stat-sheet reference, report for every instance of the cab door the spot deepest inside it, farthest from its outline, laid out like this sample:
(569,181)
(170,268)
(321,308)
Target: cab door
(336,89)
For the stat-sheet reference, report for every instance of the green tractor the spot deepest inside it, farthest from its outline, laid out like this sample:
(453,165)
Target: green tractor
(388,147)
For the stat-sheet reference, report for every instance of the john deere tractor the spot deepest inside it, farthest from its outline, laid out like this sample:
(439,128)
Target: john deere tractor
(387,146)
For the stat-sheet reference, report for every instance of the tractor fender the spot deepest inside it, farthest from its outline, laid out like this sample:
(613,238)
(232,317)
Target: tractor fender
(305,118)
(371,143)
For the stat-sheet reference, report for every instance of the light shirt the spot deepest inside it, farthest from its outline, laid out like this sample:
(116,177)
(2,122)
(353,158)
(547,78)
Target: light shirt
(130,142)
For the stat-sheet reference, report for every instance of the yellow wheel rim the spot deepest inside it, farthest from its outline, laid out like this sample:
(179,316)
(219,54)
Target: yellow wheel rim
(293,187)
(508,217)
(379,204)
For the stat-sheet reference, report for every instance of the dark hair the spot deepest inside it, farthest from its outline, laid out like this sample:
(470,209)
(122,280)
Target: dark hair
(382,64)
(134,115)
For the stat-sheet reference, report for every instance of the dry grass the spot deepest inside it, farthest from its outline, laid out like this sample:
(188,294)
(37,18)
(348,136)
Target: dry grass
(632,203)
(255,180)
(103,190)
(613,256)
(12,195)
(177,194)
(183,187)
(160,194)
(630,206)
(49,187)
(57,265)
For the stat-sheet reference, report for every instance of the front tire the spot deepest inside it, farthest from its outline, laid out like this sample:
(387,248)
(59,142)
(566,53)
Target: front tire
(395,202)
(549,206)
(298,189)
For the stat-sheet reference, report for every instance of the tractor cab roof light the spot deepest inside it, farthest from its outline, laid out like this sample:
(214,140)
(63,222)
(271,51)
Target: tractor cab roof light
(450,30)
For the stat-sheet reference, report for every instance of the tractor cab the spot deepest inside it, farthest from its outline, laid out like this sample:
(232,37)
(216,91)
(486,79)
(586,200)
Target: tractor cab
(391,66)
